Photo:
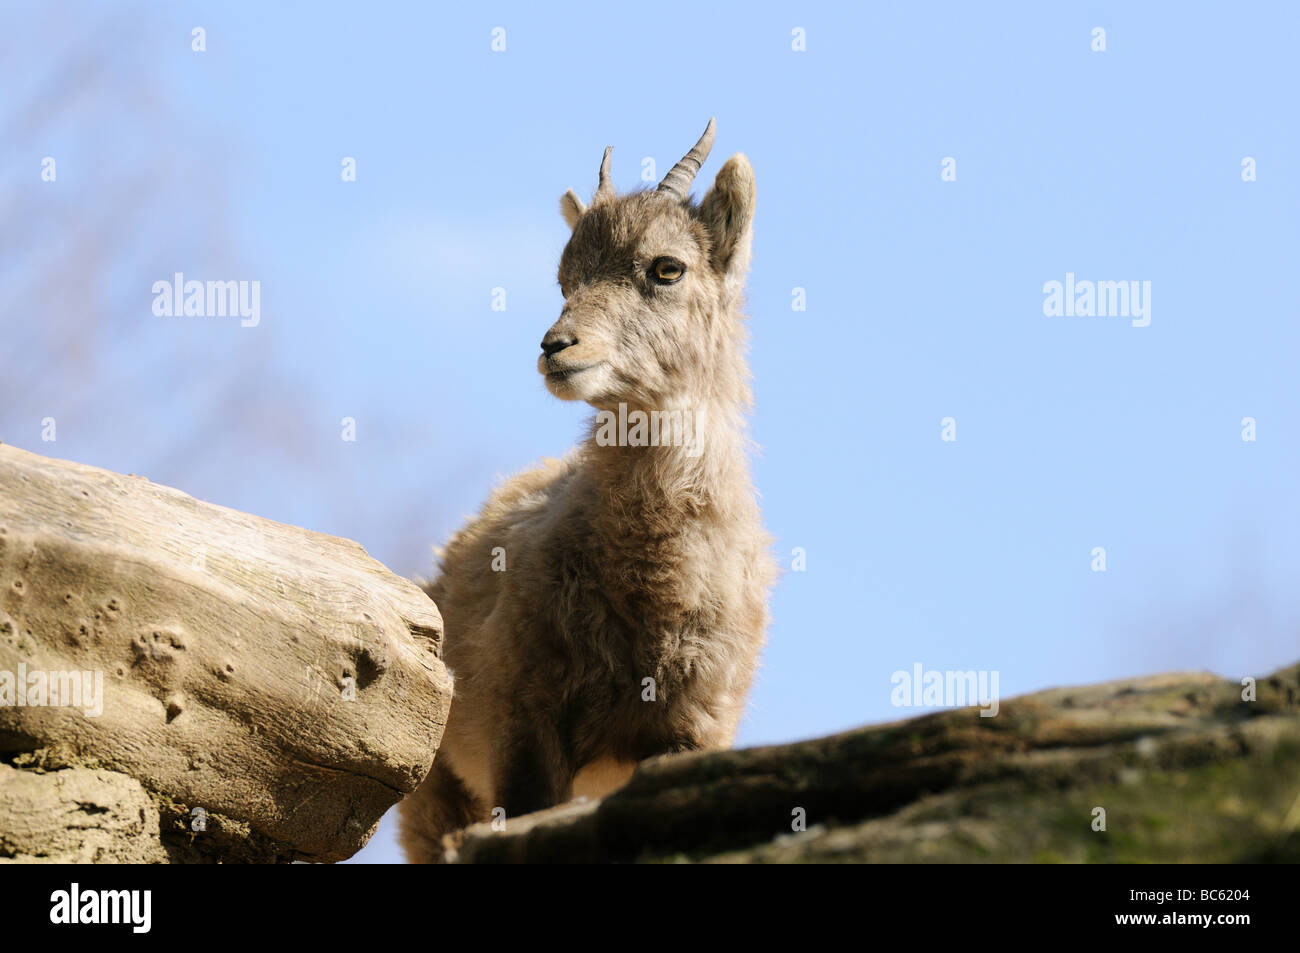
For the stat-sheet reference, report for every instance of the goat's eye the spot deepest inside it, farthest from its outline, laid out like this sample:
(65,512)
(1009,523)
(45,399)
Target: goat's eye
(667,270)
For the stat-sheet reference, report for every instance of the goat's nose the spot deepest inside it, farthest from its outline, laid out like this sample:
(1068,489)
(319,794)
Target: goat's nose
(556,341)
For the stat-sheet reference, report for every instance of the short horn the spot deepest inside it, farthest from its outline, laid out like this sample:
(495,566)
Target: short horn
(605,189)
(677,183)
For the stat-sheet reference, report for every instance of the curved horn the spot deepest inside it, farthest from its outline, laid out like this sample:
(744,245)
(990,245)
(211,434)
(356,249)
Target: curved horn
(677,183)
(605,190)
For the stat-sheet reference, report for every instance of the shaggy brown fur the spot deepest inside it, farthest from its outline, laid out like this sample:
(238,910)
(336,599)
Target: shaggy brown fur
(622,563)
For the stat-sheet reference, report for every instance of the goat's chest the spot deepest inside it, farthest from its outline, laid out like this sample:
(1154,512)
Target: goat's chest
(643,684)
(654,643)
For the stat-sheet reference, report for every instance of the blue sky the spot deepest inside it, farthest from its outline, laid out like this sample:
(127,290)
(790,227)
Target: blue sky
(924,301)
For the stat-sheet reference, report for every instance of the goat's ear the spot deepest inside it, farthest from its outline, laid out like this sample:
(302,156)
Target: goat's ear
(571,208)
(728,212)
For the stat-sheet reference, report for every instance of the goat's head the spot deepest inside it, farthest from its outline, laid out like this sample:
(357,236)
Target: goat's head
(651,282)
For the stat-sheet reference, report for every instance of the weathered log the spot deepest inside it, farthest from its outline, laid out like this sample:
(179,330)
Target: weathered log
(274,690)
(77,816)
(1173,768)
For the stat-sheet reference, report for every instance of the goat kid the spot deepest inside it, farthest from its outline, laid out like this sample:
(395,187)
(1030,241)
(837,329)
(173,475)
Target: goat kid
(631,603)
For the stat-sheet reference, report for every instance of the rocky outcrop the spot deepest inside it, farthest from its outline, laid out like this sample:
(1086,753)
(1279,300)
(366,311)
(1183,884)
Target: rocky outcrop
(1175,768)
(188,682)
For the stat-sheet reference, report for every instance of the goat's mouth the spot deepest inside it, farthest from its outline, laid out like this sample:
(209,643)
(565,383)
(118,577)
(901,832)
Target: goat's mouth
(569,381)
(557,372)
(567,373)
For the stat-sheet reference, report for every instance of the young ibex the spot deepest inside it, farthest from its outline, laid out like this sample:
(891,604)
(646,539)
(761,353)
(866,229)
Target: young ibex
(611,605)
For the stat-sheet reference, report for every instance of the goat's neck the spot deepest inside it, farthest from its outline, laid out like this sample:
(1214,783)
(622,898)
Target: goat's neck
(697,471)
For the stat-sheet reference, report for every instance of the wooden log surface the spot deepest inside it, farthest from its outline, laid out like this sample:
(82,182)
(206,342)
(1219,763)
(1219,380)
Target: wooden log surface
(275,679)
(1179,768)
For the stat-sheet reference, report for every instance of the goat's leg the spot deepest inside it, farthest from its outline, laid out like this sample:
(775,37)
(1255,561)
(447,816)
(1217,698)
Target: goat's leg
(533,772)
(438,807)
